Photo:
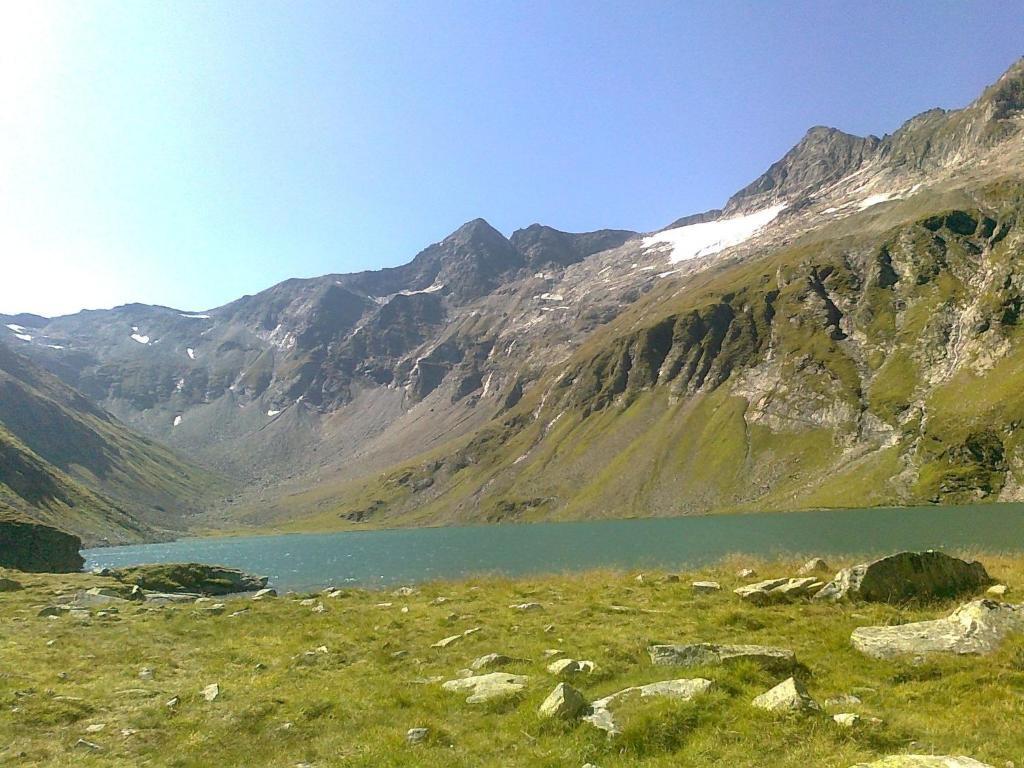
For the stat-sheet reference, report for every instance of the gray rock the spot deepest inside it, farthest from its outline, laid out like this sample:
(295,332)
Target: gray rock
(9,585)
(495,685)
(997,590)
(564,702)
(266,593)
(211,692)
(714,654)
(923,761)
(527,607)
(746,573)
(491,660)
(788,696)
(190,577)
(417,735)
(843,700)
(772,591)
(601,715)
(83,744)
(814,565)
(978,627)
(906,576)
(571,667)
(706,587)
(846,719)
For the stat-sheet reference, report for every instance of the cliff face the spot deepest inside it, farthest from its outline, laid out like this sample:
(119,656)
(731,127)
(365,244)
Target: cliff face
(26,545)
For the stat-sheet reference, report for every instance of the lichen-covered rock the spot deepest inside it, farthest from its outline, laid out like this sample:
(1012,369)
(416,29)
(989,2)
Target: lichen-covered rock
(601,711)
(706,587)
(27,545)
(978,627)
(906,576)
(788,696)
(923,761)
(714,654)
(190,577)
(564,702)
(814,565)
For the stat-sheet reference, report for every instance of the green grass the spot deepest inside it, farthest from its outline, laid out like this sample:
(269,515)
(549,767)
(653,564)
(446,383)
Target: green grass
(352,705)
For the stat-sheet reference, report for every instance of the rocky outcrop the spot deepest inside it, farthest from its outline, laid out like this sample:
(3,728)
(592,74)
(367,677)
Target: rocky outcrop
(979,627)
(714,654)
(907,576)
(773,591)
(190,577)
(26,545)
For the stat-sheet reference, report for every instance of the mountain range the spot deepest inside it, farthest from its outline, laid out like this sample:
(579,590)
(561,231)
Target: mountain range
(844,331)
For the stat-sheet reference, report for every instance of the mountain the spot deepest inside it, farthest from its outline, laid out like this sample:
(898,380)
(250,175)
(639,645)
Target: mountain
(842,332)
(66,462)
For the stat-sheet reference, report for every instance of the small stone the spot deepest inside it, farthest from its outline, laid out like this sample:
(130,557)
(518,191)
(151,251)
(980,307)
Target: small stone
(417,735)
(308,602)
(265,594)
(172,702)
(146,673)
(83,744)
(706,587)
(564,702)
(847,719)
(319,608)
(549,629)
(404,592)
(211,692)
(746,573)
(671,578)
(997,590)
(491,660)
(639,578)
(844,700)
(95,727)
(552,652)
(527,607)
(438,601)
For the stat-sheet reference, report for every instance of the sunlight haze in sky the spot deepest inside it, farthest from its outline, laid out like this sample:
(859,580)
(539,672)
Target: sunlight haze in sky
(188,153)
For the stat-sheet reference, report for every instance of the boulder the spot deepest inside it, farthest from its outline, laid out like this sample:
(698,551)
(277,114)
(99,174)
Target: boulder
(788,696)
(267,592)
(9,585)
(978,627)
(997,590)
(602,717)
(27,545)
(190,577)
(495,685)
(774,591)
(564,703)
(211,692)
(417,735)
(906,576)
(570,667)
(923,761)
(714,654)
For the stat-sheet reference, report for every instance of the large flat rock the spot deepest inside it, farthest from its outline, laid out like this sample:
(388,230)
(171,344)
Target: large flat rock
(907,576)
(602,711)
(978,627)
(190,577)
(715,654)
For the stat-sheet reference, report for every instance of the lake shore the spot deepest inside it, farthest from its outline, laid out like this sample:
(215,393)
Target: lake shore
(339,678)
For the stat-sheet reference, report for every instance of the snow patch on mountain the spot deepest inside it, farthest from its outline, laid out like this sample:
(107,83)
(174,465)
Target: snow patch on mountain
(177,420)
(191,353)
(696,240)
(140,338)
(196,317)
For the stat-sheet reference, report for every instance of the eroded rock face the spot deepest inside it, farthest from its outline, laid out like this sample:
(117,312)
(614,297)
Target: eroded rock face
(979,627)
(26,545)
(602,717)
(713,654)
(907,576)
(923,761)
(190,577)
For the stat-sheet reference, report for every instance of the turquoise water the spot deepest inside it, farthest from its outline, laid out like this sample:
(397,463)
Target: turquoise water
(382,558)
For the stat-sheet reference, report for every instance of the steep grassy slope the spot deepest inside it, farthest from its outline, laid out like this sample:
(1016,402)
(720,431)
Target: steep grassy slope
(66,462)
(879,360)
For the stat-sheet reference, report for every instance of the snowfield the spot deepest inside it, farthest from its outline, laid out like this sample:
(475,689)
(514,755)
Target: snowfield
(696,240)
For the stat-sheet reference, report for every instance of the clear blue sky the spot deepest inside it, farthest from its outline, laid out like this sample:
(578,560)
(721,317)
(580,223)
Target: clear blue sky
(186,153)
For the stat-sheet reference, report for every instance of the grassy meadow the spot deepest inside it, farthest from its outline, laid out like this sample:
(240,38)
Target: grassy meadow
(341,686)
